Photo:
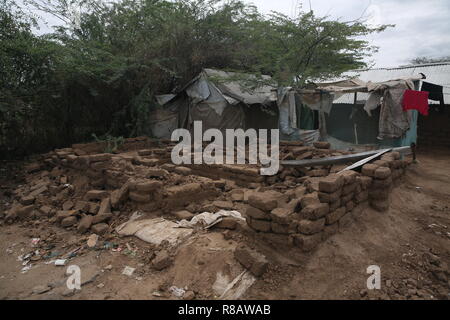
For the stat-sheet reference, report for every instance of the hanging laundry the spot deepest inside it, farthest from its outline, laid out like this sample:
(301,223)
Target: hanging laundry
(435,91)
(416,100)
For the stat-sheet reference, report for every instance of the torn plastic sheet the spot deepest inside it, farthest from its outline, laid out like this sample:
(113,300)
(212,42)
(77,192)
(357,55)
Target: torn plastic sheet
(234,289)
(208,219)
(154,231)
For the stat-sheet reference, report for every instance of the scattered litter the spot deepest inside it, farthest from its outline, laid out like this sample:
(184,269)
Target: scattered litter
(208,219)
(156,294)
(128,271)
(100,285)
(60,262)
(26,268)
(35,241)
(177,292)
(92,240)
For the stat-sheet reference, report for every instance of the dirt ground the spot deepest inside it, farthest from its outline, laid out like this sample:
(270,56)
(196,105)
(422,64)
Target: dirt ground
(410,243)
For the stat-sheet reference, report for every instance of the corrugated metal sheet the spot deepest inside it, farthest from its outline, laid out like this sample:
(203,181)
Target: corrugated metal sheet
(437,73)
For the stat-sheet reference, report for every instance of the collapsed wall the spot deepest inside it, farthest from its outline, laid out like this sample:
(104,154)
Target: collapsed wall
(83,188)
(310,215)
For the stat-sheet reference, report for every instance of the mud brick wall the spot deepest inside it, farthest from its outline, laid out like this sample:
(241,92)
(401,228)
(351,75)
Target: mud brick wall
(310,218)
(434,129)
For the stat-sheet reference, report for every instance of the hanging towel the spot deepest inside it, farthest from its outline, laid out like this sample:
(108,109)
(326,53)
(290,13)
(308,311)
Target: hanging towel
(415,100)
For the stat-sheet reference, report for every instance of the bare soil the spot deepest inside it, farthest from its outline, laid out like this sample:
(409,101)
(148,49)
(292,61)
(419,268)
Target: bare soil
(410,243)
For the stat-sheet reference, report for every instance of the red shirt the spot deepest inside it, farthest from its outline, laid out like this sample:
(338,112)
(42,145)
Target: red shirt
(416,100)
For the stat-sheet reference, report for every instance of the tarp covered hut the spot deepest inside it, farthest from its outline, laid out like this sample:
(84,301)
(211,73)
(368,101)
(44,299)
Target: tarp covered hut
(221,100)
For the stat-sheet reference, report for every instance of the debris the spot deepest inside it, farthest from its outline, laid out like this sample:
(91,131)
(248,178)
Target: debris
(208,219)
(92,240)
(41,289)
(162,260)
(60,262)
(128,271)
(177,292)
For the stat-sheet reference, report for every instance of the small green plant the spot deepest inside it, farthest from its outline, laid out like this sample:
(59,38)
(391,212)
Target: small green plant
(112,143)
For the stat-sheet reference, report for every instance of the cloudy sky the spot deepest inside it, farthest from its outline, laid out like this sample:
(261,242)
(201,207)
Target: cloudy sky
(422,26)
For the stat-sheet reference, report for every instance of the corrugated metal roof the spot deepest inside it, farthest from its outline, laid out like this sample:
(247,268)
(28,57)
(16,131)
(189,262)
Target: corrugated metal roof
(437,73)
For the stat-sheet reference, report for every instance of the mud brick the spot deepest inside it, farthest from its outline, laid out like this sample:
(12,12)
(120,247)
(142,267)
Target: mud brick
(96,195)
(330,197)
(82,205)
(309,227)
(93,207)
(365,181)
(24,212)
(101,217)
(183,215)
(281,215)
(345,220)
(315,211)
(252,260)
(68,221)
(349,188)
(331,183)
(379,194)
(46,210)
(318,173)
(39,191)
(330,230)
(369,169)
(120,195)
(99,166)
(226,205)
(183,170)
(349,176)
(394,154)
(334,205)
(100,228)
(100,157)
(145,152)
(379,184)
(263,201)
(157,173)
(308,199)
(307,242)
(139,197)
(300,150)
(279,228)
(259,225)
(61,214)
(349,206)
(162,260)
(382,173)
(257,213)
(227,223)
(382,163)
(148,162)
(149,185)
(361,196)
(334,216)
(380,205)
(105,206)
(306,155)
(347,198)
(67,205)
(27,200)
(322,145)
(85,223)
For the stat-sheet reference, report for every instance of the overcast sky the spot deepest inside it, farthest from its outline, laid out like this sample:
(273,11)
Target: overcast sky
(422,26)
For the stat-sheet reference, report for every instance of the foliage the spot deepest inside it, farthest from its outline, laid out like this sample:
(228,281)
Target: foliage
(99,70)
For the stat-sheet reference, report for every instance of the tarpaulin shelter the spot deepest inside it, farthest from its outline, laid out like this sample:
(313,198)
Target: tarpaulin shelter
(219,99)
